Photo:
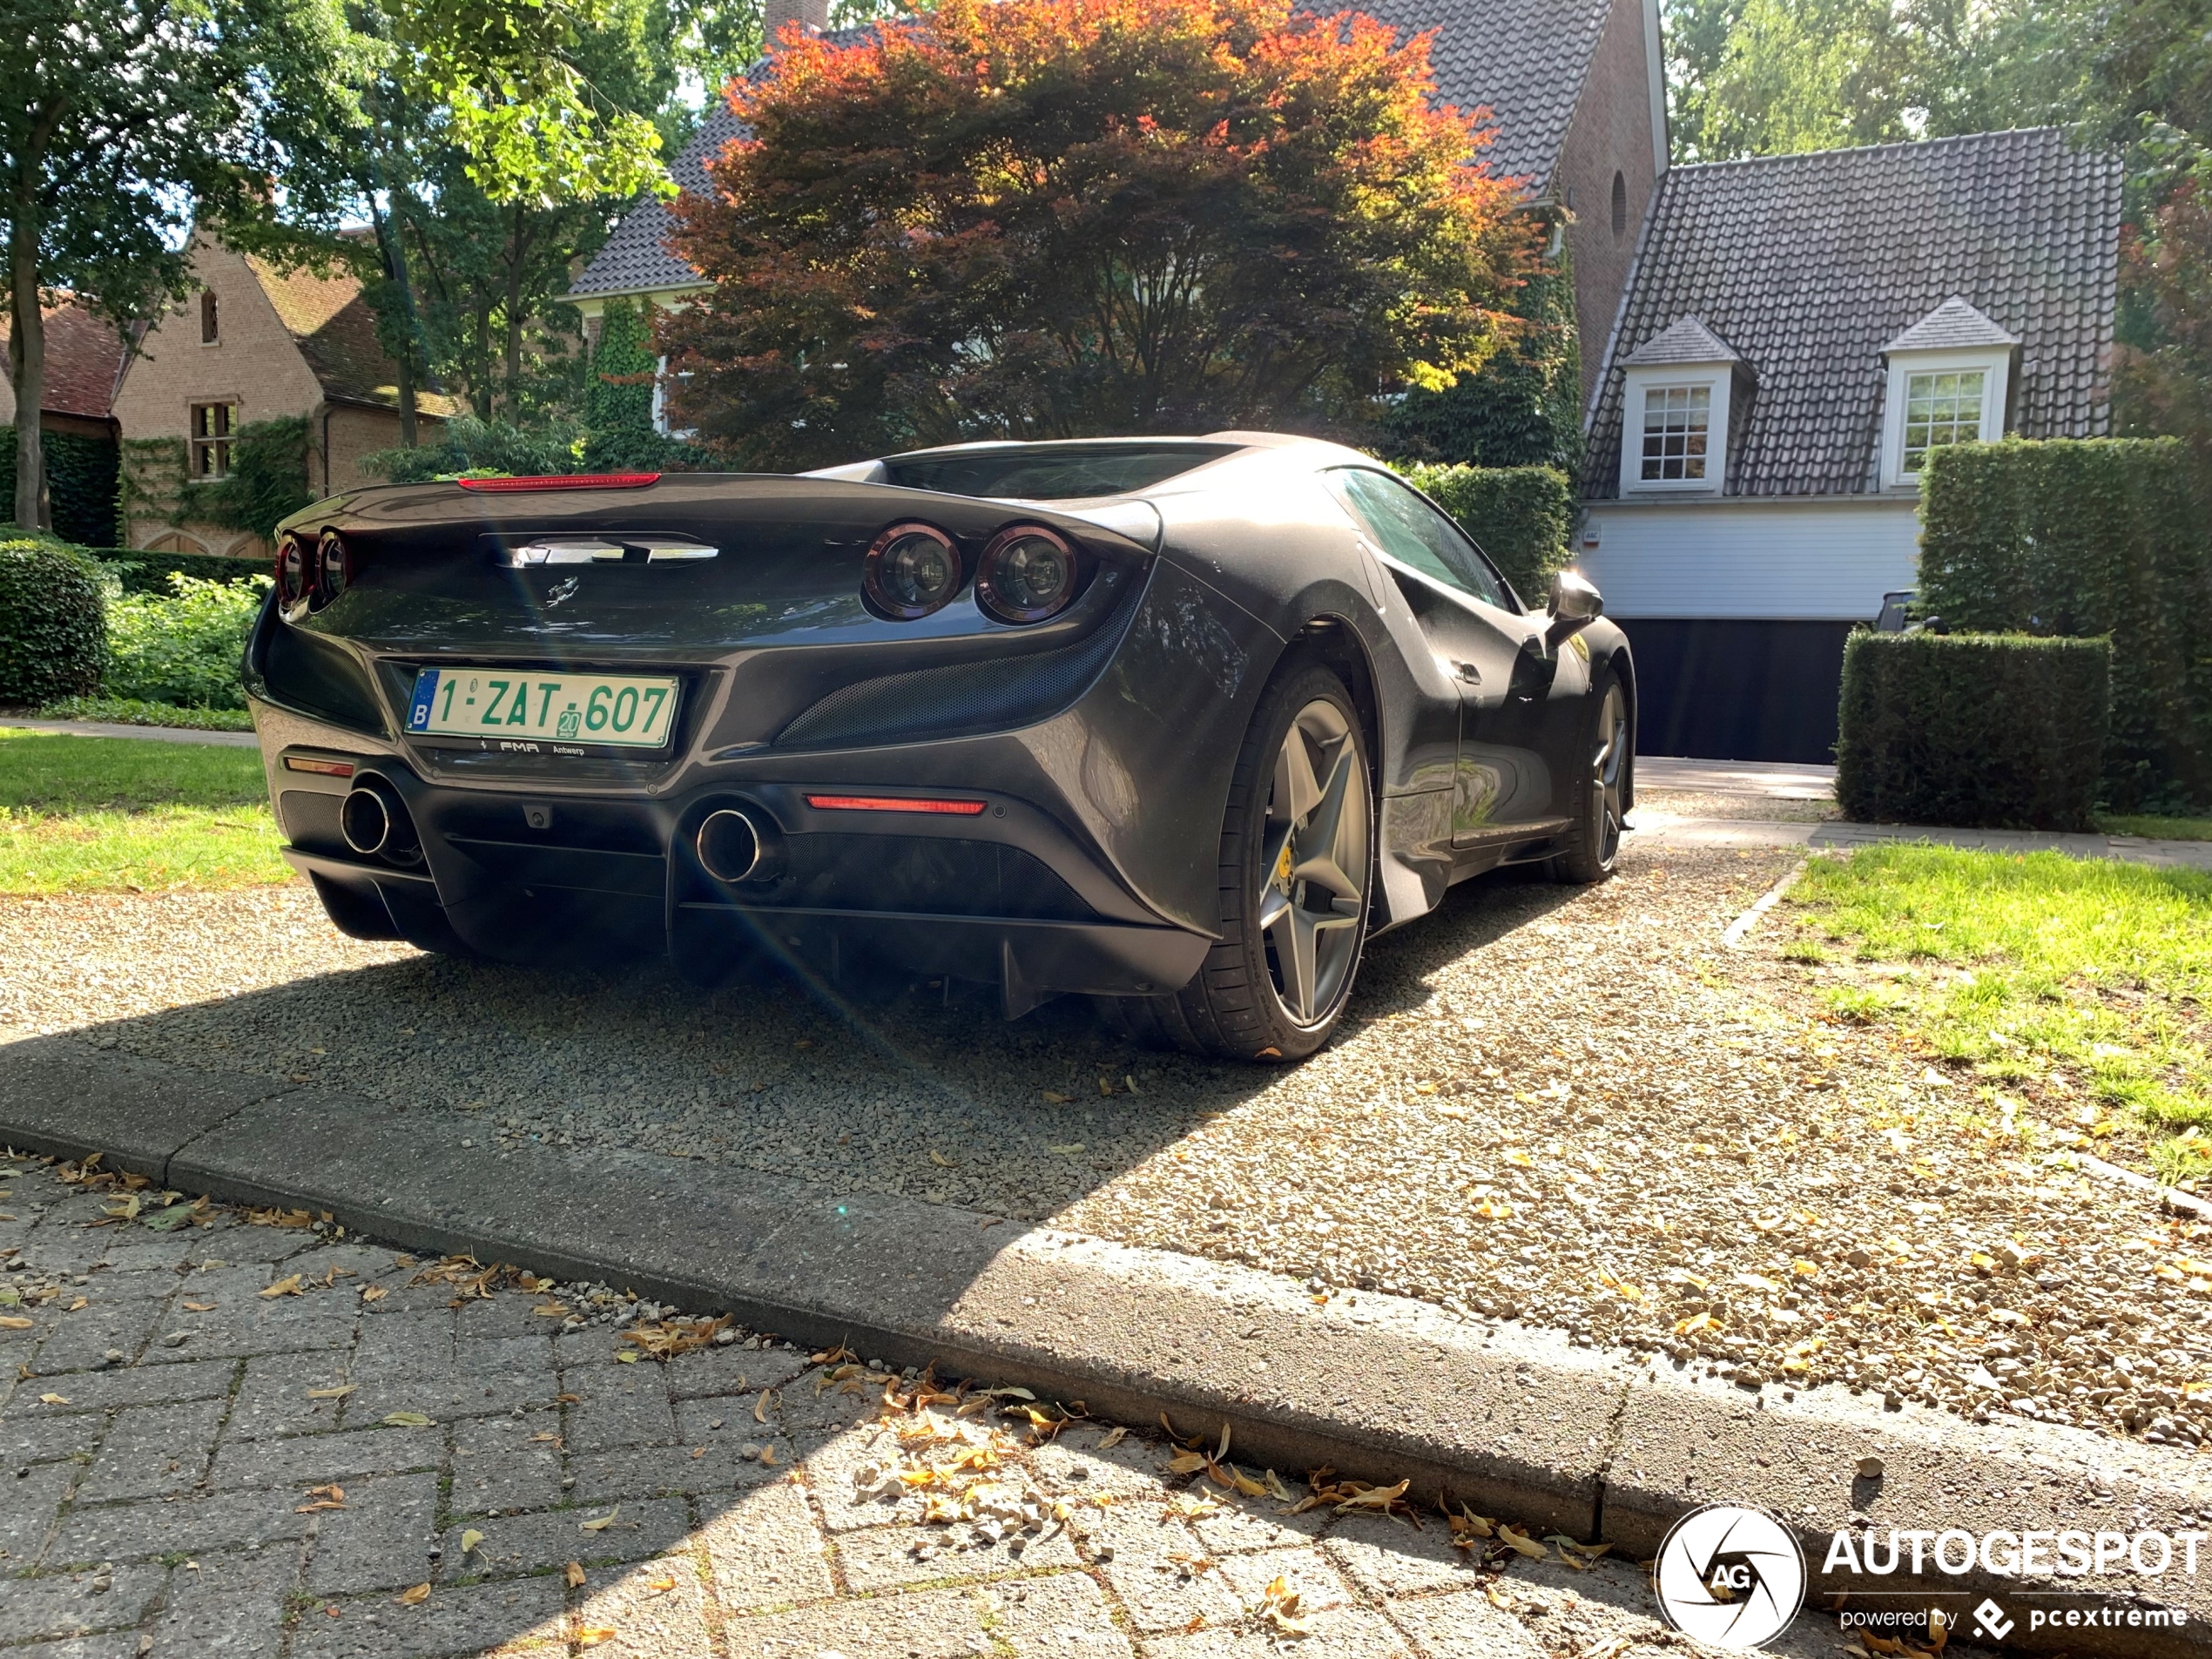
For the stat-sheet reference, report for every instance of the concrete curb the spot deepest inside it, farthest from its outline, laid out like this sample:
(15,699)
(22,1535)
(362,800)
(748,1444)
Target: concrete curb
(1514,1423)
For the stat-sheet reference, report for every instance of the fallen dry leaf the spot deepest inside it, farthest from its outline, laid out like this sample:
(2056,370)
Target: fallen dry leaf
(288,1286)
(602,1523)
(329,1497)
(592,1636)
(338,1393)
(575,1576)
(1054,1097)
(406,1420)
(53,1399)
(415,1597)
(1523,1544)
(469,1540)
(1113,1437)
(12,1322)
(80,1302)
(374,1293)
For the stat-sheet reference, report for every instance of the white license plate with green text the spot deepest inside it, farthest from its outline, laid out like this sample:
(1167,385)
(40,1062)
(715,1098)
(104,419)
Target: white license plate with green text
(634,710)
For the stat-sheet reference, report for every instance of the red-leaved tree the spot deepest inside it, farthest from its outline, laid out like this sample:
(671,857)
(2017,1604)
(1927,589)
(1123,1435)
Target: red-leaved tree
(1068,218)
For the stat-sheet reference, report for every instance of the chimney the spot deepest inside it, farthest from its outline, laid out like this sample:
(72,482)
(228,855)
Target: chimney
(812,16)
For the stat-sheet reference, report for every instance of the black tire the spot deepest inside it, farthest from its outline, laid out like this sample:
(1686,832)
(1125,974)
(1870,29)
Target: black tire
(1244,1003)
(1593,850)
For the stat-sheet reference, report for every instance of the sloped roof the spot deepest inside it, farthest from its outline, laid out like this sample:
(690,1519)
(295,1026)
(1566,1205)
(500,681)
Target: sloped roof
(1809,264)
(84,358)
(1951,326)
(1687,341)
(330,320)
(1524,60)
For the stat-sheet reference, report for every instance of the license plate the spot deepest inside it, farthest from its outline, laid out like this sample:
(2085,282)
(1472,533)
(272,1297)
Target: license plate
(631,710)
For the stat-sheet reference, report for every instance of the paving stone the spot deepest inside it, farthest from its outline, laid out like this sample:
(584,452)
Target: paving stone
(1571,1611)
(733,1370)
(446,1394)
(1466,1625)
(74,1604)
(1073,1463)
(1348,1633)
(892,1557)
(1315,1581)
(644,1471)
(800,1412)
(767,1550)
(703,1419)
(29,1503)
(829,1476)
(231,1607)
(628,1408)
(526,1614)
(153,1451)
(93,1391)
(498,1463)
(1063,1616)
(380,1540)
(84,1337)
(315,1459)
(279,1325)
(40,1439)
(1387,1557)
(928,1624)
(1253,1523)
(510,1315)
(274,1399)
(530,1355)
(140,1249)
(1151,1568)
(156,1527)
(408,1342)
(658,1611)
(531,1543)
(115,1644)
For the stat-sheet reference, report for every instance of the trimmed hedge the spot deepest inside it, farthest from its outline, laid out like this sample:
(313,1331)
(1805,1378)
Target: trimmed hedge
(2087,537)
(1989,730)
(53,622)
(1521,515)
(141,571)
(81,482)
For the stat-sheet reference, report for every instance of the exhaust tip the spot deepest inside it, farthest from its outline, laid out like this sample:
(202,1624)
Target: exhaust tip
(375,823)
(729,846)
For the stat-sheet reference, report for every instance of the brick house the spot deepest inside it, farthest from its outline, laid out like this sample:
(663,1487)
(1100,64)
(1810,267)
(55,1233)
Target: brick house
(252,343)
(1797,332)
(1575,88)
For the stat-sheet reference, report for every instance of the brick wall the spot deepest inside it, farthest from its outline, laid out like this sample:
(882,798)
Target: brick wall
(352,433)
(1610,134)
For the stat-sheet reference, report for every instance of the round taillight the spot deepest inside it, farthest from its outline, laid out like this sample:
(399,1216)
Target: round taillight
(334,567)
(291,571)
(1028,574)
(913,570)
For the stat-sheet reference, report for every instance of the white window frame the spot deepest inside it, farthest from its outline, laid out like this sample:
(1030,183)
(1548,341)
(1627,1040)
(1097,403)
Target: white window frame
(1992,363)
(1718,380)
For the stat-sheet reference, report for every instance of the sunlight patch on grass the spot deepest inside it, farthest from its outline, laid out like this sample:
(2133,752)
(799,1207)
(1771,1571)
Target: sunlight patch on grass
(110,814)
(2158,829)
(2018,963)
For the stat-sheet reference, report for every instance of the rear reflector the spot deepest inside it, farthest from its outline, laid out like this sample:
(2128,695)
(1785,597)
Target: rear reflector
(566,481)
(328,768)
(893,804)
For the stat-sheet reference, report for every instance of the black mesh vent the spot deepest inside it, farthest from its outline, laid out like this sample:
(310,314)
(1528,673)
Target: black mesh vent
(968,696)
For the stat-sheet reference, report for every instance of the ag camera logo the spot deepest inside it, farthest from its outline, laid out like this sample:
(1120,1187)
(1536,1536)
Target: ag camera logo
(1731,1576)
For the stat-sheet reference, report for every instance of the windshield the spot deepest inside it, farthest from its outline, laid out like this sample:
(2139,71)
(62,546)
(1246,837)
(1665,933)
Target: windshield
(1053,473)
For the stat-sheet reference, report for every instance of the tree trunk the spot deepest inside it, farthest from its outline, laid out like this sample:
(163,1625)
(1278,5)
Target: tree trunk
(395,253)
(517,250)
(27,373)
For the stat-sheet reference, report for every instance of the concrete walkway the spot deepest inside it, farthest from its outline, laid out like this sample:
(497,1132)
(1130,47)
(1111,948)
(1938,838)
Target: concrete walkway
(112,729)
(1775,779)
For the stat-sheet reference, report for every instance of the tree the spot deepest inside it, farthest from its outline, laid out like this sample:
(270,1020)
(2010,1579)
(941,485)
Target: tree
(119,116)
(1054,217)
(1524,409)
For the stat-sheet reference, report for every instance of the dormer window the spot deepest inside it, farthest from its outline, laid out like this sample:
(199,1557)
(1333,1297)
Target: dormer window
(1949,375)
(1682,386)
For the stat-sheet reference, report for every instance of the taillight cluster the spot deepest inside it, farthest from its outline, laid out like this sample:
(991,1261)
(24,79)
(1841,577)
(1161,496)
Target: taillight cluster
(313,570)
(1028,573)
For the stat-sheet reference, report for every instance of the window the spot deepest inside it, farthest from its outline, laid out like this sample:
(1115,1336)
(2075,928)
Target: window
(209,333)
(1942,407)
(1620,205)
(1411,531)
(1677,420)
(213,425)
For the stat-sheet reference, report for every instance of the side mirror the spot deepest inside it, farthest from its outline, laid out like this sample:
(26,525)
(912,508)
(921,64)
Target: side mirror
(1574,606)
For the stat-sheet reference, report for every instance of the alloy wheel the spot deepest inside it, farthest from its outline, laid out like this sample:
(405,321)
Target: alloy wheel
(1316,846)
(1608,772)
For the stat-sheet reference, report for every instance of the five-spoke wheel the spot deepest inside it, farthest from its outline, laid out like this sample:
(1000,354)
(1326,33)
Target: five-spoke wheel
(1313,893)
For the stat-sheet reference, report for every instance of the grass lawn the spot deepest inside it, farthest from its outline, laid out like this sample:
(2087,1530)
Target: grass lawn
(2078,982)
(2161,829)
(109,814)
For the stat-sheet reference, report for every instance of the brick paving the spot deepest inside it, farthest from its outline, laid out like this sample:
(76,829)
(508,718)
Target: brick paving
(190,1464)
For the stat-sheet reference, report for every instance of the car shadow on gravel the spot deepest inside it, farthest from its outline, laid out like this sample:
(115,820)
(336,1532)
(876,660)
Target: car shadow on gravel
(874,1082)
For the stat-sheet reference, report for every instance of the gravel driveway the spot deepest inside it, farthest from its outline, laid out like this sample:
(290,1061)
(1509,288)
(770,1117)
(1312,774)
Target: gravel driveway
(1570,1107)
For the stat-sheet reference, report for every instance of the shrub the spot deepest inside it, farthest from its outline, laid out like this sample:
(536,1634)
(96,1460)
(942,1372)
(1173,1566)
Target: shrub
(2089,537)
(140,571)
(1998,731)
(466,444)
(183,649)
(1521,515)
(268,477)
(52,629)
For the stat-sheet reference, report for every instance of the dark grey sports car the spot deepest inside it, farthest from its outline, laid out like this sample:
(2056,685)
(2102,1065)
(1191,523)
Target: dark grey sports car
(1174,722)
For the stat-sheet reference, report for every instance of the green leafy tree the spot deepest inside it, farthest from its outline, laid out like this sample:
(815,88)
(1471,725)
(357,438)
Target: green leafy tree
(1052,217)
(1523,410)
(115,118)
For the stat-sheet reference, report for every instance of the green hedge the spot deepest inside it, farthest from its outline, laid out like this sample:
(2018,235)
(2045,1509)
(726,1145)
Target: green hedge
(1521,516)
(53,622)
(144,572)
(1996,731)
(2103,536)
(80,483)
